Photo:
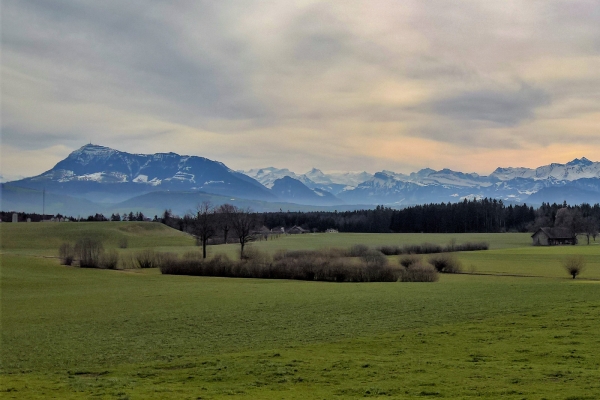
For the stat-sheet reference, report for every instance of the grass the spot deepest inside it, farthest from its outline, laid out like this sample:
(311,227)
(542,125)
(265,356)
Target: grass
(80,333)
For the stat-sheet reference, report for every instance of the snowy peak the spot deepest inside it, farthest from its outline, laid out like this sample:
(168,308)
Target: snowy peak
(579,168)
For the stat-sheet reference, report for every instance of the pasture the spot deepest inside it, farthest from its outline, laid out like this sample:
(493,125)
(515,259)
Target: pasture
(137,334)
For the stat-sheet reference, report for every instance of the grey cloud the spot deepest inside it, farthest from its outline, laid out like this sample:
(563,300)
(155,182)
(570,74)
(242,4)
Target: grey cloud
(502,107)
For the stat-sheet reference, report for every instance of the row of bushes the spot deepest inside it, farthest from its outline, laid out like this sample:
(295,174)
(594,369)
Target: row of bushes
(358,264)
(89,252)
(431,248)
(328,265)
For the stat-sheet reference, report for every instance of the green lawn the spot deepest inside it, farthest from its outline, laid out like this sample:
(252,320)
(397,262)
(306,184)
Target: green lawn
(78,333)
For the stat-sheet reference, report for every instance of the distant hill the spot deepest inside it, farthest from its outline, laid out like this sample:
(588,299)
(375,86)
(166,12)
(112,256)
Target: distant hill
(100,173)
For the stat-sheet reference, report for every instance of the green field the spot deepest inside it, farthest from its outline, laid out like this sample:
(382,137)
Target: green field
(80,333)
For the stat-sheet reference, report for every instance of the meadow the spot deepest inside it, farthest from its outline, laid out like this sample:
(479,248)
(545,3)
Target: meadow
(514,326)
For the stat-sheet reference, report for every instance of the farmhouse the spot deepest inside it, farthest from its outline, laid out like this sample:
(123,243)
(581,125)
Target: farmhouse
(278,229)
(296,230)
(553,236)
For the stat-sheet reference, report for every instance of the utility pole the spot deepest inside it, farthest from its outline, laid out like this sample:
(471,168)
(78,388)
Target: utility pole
(43,204)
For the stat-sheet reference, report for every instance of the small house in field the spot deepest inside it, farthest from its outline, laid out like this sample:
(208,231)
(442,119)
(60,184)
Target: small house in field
(331,230)
(553,237)
(278,229)
(294,230)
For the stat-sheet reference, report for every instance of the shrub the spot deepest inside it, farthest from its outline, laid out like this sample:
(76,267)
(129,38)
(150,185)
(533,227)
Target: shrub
(408,260)
(423,248)
(390,250)
(146,259)
(123,242)
(373,258)
(419,272)
(66,253)
(357,250)
(445,263)
(109,259)
(469,246)
(89,250)
(574,265)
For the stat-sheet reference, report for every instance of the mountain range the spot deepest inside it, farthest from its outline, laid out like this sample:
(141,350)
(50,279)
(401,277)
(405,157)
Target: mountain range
(107,179)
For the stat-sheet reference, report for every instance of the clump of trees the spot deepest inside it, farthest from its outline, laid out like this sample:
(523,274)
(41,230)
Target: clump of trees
(224,221)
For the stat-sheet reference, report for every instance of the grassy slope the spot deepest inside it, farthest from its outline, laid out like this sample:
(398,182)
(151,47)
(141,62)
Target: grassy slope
(74,333)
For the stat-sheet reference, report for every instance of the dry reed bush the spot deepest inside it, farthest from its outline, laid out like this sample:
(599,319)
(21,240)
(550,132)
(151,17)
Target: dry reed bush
(66,253)
(109,259)
(357,250)
(310,265)
(374,258)
(419,272)
(146,258)
(574,265)
(88,250)
(408,260)
(446,263)
(127,261)
(468,246)
(423,248)
(390,250)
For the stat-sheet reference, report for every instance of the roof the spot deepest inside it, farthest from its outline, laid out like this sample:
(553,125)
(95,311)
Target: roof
(556,233)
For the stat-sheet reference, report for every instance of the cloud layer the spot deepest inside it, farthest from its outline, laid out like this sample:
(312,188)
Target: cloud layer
(348,85)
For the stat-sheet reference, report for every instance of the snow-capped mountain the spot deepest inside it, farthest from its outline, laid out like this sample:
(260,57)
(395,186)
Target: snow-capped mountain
(315,179)
(577,169)
(103,174)
(294,191)
(552,182)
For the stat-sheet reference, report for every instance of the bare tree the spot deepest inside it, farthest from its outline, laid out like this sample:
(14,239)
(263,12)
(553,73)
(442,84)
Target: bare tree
(203,226)
(574,265)
(243,222)
(226,212)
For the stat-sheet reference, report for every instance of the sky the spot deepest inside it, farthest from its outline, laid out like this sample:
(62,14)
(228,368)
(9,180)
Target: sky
(344,85)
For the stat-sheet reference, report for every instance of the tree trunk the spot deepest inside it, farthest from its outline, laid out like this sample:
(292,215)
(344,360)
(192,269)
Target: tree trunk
(204,248)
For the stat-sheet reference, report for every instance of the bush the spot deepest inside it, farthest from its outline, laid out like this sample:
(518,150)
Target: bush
(374,258)
(109,259)
(66,253)
(423,248)
(419,272)
(309,265)
(146,259)
(123,242)
(468,246)
(408,260)
(390,250)
(357,250)
(445,263)
(89,250)
(574,265)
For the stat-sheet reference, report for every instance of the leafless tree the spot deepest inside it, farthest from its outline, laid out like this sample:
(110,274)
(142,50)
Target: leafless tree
(243,222)
(225,212)
(203,225)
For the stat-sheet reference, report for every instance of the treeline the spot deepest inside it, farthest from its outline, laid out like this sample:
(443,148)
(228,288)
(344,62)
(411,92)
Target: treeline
(468,216)
(487,215)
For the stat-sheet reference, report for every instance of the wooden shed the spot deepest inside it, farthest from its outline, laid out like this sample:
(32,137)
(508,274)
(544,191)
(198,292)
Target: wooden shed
(553,237)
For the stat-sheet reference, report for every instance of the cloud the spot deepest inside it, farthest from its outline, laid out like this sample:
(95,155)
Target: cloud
(507,107)
(326,84)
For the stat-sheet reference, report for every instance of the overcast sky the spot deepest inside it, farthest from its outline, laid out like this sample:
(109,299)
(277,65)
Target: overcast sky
(343,85)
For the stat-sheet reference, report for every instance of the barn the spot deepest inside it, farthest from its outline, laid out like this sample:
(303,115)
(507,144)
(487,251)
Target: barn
(553,237)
